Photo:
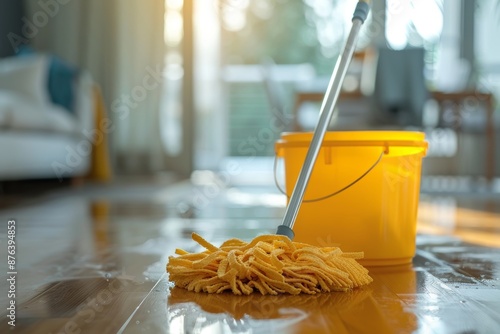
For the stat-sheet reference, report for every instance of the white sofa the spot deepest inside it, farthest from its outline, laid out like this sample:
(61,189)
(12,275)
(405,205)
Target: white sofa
(39,139)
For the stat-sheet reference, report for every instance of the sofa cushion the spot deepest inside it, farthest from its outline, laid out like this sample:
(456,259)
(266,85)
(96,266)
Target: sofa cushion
(20,113)
(26,76)
(62,77)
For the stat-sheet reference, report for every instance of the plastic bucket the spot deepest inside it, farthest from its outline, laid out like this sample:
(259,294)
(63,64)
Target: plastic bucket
(376,178)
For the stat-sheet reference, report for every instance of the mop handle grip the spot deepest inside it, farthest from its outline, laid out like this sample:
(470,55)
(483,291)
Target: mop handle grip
(327,109)
(361,11)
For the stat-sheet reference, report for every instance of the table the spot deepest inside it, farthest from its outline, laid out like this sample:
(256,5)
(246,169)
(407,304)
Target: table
(457,99)
(96,264)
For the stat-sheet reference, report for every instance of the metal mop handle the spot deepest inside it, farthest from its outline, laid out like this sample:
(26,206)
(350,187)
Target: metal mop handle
(327,107)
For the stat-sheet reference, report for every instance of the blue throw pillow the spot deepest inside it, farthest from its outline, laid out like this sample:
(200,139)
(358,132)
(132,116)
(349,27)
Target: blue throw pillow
(61,80)
(61,83)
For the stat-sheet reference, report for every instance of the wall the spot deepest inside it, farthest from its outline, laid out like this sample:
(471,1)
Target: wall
(11,12)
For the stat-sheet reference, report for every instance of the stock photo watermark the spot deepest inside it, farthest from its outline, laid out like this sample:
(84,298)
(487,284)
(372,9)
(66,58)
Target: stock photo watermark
(87,312)
(128,102)
(251,147)
(11,272)
(39,20)
(122,107)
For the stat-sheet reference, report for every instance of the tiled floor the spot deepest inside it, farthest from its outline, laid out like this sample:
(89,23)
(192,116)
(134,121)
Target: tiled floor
(93,260)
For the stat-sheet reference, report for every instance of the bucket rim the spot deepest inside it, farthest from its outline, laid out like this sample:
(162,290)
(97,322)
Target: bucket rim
(384,139)
(356,135)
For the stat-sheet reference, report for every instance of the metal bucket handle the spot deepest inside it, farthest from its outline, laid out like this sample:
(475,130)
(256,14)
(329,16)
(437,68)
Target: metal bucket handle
(280,188)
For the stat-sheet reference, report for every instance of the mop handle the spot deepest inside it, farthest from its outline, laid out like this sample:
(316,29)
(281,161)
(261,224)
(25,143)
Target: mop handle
(327,108)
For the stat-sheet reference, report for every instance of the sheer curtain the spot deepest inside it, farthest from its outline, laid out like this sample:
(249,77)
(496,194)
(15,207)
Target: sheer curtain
(121,43)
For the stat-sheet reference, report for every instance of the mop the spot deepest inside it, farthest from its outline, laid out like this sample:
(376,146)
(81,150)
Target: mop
(274,264)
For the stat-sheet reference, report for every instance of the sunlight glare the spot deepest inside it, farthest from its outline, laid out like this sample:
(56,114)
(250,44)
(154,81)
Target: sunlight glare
(173,28)
(398,19)
(174,4)
(233,19)
(428,19)
(424,15)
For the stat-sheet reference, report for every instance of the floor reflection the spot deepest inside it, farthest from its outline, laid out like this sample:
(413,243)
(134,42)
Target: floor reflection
(258,306)
(315,313)
(379,306)
(471,219)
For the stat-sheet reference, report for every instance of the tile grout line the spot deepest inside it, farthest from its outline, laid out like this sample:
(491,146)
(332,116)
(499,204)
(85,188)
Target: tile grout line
(125,324)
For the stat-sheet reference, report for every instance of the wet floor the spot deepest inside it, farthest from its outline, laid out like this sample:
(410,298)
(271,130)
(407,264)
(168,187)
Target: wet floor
(97,265)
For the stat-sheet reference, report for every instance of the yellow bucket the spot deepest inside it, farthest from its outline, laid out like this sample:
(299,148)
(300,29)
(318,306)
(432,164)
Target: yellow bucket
(363,192)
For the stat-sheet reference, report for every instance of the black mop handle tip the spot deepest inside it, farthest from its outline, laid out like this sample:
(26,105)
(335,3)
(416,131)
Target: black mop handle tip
(361,11)
(286,231)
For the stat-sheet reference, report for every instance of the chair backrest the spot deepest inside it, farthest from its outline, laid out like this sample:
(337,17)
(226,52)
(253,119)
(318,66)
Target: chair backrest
(275,92)
(400,88)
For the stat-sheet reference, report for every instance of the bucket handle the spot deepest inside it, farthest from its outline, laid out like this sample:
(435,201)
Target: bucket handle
(280,188)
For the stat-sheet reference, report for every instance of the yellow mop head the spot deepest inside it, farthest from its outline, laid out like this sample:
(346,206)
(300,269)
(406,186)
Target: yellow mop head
(270,264)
